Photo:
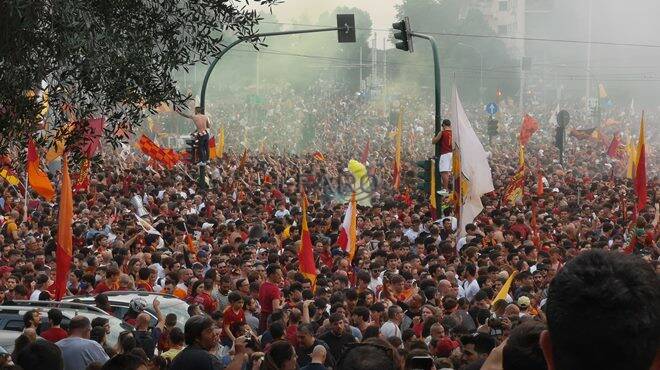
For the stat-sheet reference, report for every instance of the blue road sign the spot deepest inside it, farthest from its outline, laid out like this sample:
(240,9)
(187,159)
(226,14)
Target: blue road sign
(491,108)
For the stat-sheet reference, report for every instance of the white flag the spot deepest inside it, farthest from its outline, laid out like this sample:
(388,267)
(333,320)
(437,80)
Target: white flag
(477,176)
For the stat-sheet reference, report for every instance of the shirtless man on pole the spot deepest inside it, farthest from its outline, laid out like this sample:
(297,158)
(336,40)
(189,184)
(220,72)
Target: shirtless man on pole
(202,134)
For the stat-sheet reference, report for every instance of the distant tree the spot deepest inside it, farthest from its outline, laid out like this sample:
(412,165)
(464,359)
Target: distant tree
(459,63)
(115,59)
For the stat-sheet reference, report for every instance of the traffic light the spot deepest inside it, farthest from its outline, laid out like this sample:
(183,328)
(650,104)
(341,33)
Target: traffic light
(493,127)
(404,35)
(191,149)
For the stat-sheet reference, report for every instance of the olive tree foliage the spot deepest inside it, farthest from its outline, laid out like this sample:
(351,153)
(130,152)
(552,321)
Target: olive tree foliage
(98,58)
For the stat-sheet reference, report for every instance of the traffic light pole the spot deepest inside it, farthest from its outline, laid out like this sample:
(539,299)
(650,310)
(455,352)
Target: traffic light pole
(436,73)
(202,102)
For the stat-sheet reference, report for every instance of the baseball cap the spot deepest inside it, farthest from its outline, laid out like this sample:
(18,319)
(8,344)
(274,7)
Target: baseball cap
(524,302)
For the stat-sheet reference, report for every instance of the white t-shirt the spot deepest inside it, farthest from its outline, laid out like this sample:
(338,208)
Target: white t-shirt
(470,289)
(35,295)
(390,329)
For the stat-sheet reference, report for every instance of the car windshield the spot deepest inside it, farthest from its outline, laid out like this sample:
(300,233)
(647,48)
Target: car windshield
(177,307)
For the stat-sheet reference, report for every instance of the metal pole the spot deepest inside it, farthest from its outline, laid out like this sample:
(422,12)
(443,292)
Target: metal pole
(436,74)
(522,87)
(360,67)
(202,99)
(588,54)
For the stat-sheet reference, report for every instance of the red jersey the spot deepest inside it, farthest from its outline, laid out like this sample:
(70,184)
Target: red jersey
(54,334)
(144,286)
(267,293)
(207,302)
(445,142)
(233,319)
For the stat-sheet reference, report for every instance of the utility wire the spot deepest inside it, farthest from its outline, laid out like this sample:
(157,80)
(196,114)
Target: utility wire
(454,34)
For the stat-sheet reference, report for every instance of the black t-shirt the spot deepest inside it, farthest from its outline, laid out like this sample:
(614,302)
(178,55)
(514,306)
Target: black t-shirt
(305,354)
(194,357)
(337,343)
(145,341)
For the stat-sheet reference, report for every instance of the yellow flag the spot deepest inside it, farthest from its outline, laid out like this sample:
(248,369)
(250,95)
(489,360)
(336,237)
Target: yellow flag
(521,156)
(505,288)
(632,158)
(220,145)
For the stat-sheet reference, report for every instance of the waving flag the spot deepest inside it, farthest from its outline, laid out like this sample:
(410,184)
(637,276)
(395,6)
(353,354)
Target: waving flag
(514,190)
(64,251)
(9,176)
(220,148)
(37,178)
(348,230)
(306,252)
(504,291)
(616,148)
(433,206)
(640,170)
(82,179)
(521,156)
(529,126)
(212,148)
(474,169)
(539,184)
(632,159)
(168,157)
(319,156)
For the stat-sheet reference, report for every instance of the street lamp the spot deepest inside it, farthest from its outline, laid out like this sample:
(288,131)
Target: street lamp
(481,76)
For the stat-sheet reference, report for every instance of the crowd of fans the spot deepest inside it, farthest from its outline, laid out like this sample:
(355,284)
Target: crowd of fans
(581,297)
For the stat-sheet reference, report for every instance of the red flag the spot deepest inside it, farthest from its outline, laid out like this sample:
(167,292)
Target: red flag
(93,133)
(616,148)
(319,156)
(640,173)
(64,251)
(539,184)
(365,153)
(306,252)
(37,178)
(244,158)
(190,245)
(529,126)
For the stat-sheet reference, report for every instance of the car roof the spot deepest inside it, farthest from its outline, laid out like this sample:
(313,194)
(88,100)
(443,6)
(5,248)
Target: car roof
(60,305)
(126,296)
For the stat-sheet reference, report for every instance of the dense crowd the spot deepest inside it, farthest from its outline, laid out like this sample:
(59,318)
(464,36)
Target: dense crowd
(585,294)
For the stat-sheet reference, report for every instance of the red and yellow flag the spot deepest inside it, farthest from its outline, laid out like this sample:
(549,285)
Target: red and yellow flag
(306,252)
(536,237)
(168,157)
(514,190)
(319,156)
(640,170)
(212,148)
(397,151)
(37,178)
(82,179)
(64,251)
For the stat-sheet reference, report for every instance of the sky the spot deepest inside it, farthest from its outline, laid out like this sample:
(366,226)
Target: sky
(382,11)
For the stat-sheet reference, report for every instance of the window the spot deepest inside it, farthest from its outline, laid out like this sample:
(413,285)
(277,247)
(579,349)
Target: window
(504,6)
(502,30)
(15,325)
